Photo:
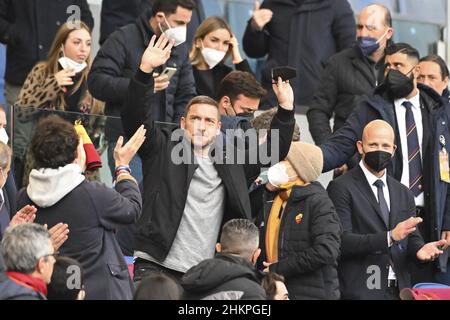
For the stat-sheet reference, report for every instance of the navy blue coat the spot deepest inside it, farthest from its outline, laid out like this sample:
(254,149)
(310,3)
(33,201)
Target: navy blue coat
(342,145)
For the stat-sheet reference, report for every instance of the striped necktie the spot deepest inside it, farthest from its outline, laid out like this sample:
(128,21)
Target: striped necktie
(414,156)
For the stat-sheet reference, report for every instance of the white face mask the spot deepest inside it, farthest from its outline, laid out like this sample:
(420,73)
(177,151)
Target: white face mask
(277,175)
(68,63)
(4,136)
(178,34)
(212,56)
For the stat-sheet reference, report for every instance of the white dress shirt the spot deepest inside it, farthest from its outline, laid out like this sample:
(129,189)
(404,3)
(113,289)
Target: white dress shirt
(400,110)
(371,179)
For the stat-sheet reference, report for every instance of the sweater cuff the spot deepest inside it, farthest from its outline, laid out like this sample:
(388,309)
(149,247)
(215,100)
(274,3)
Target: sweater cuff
(285,115)
(143,77)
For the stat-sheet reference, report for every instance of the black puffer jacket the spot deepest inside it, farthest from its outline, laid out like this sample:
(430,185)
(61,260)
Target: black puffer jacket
(308,250)
(347,78)
(221,277)
(303,36)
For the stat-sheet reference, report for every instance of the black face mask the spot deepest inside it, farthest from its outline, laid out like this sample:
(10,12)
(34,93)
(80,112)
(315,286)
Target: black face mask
(247,115)
(399,85)
(378,160)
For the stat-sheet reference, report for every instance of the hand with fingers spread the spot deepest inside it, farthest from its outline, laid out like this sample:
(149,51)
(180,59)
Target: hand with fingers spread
(156,54)
(284,93)
(431,251)
(161,82)
(124,154)
(405,228)
(64,77)
(58,234)
(25,215)
(261,17)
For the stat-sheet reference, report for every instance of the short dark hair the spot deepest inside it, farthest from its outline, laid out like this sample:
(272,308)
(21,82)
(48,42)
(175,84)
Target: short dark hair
(54,143)
(239,237)
(403,48)
(240,82)
(157,287)
(269,284)
(202,100)
(170,6)
(58,289)
(440,62)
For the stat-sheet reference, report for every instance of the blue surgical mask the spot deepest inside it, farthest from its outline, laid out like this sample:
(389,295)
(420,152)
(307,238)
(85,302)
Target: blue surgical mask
(369,45)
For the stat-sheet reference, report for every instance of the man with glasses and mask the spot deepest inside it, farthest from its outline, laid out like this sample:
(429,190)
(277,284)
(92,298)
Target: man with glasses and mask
(29,258)
(350,75)
(379,228)
(119,59)
(408,108)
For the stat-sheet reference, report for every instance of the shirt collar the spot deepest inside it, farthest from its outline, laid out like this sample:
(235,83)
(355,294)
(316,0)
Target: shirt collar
(371,178)
(415,101)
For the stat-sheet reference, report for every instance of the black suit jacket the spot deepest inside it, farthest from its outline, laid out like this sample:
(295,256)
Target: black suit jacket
(365,253)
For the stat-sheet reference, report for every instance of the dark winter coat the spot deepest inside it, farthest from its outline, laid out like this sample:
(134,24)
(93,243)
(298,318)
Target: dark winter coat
(302,36)
(221,276)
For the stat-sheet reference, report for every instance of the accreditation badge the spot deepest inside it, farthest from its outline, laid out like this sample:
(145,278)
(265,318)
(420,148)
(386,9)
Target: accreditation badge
(443,161)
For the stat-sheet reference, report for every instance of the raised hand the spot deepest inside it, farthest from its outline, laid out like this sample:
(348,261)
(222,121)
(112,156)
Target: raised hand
(157,53)
(284,93)
(235,53)
(124,154)
(25,215)
(261,17)
(58,234)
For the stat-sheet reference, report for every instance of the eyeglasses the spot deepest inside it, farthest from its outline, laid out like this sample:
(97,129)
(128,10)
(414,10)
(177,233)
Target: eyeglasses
(54,254)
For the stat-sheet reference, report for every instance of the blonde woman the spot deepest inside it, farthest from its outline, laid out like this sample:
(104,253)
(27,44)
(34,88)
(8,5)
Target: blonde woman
(214,42)
(60,81)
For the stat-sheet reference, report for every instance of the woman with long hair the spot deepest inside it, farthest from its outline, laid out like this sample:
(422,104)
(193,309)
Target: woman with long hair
(214,43)
(60,82)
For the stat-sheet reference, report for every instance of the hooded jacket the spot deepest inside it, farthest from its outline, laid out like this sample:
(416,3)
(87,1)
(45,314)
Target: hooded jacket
(224,277)
(93,213)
